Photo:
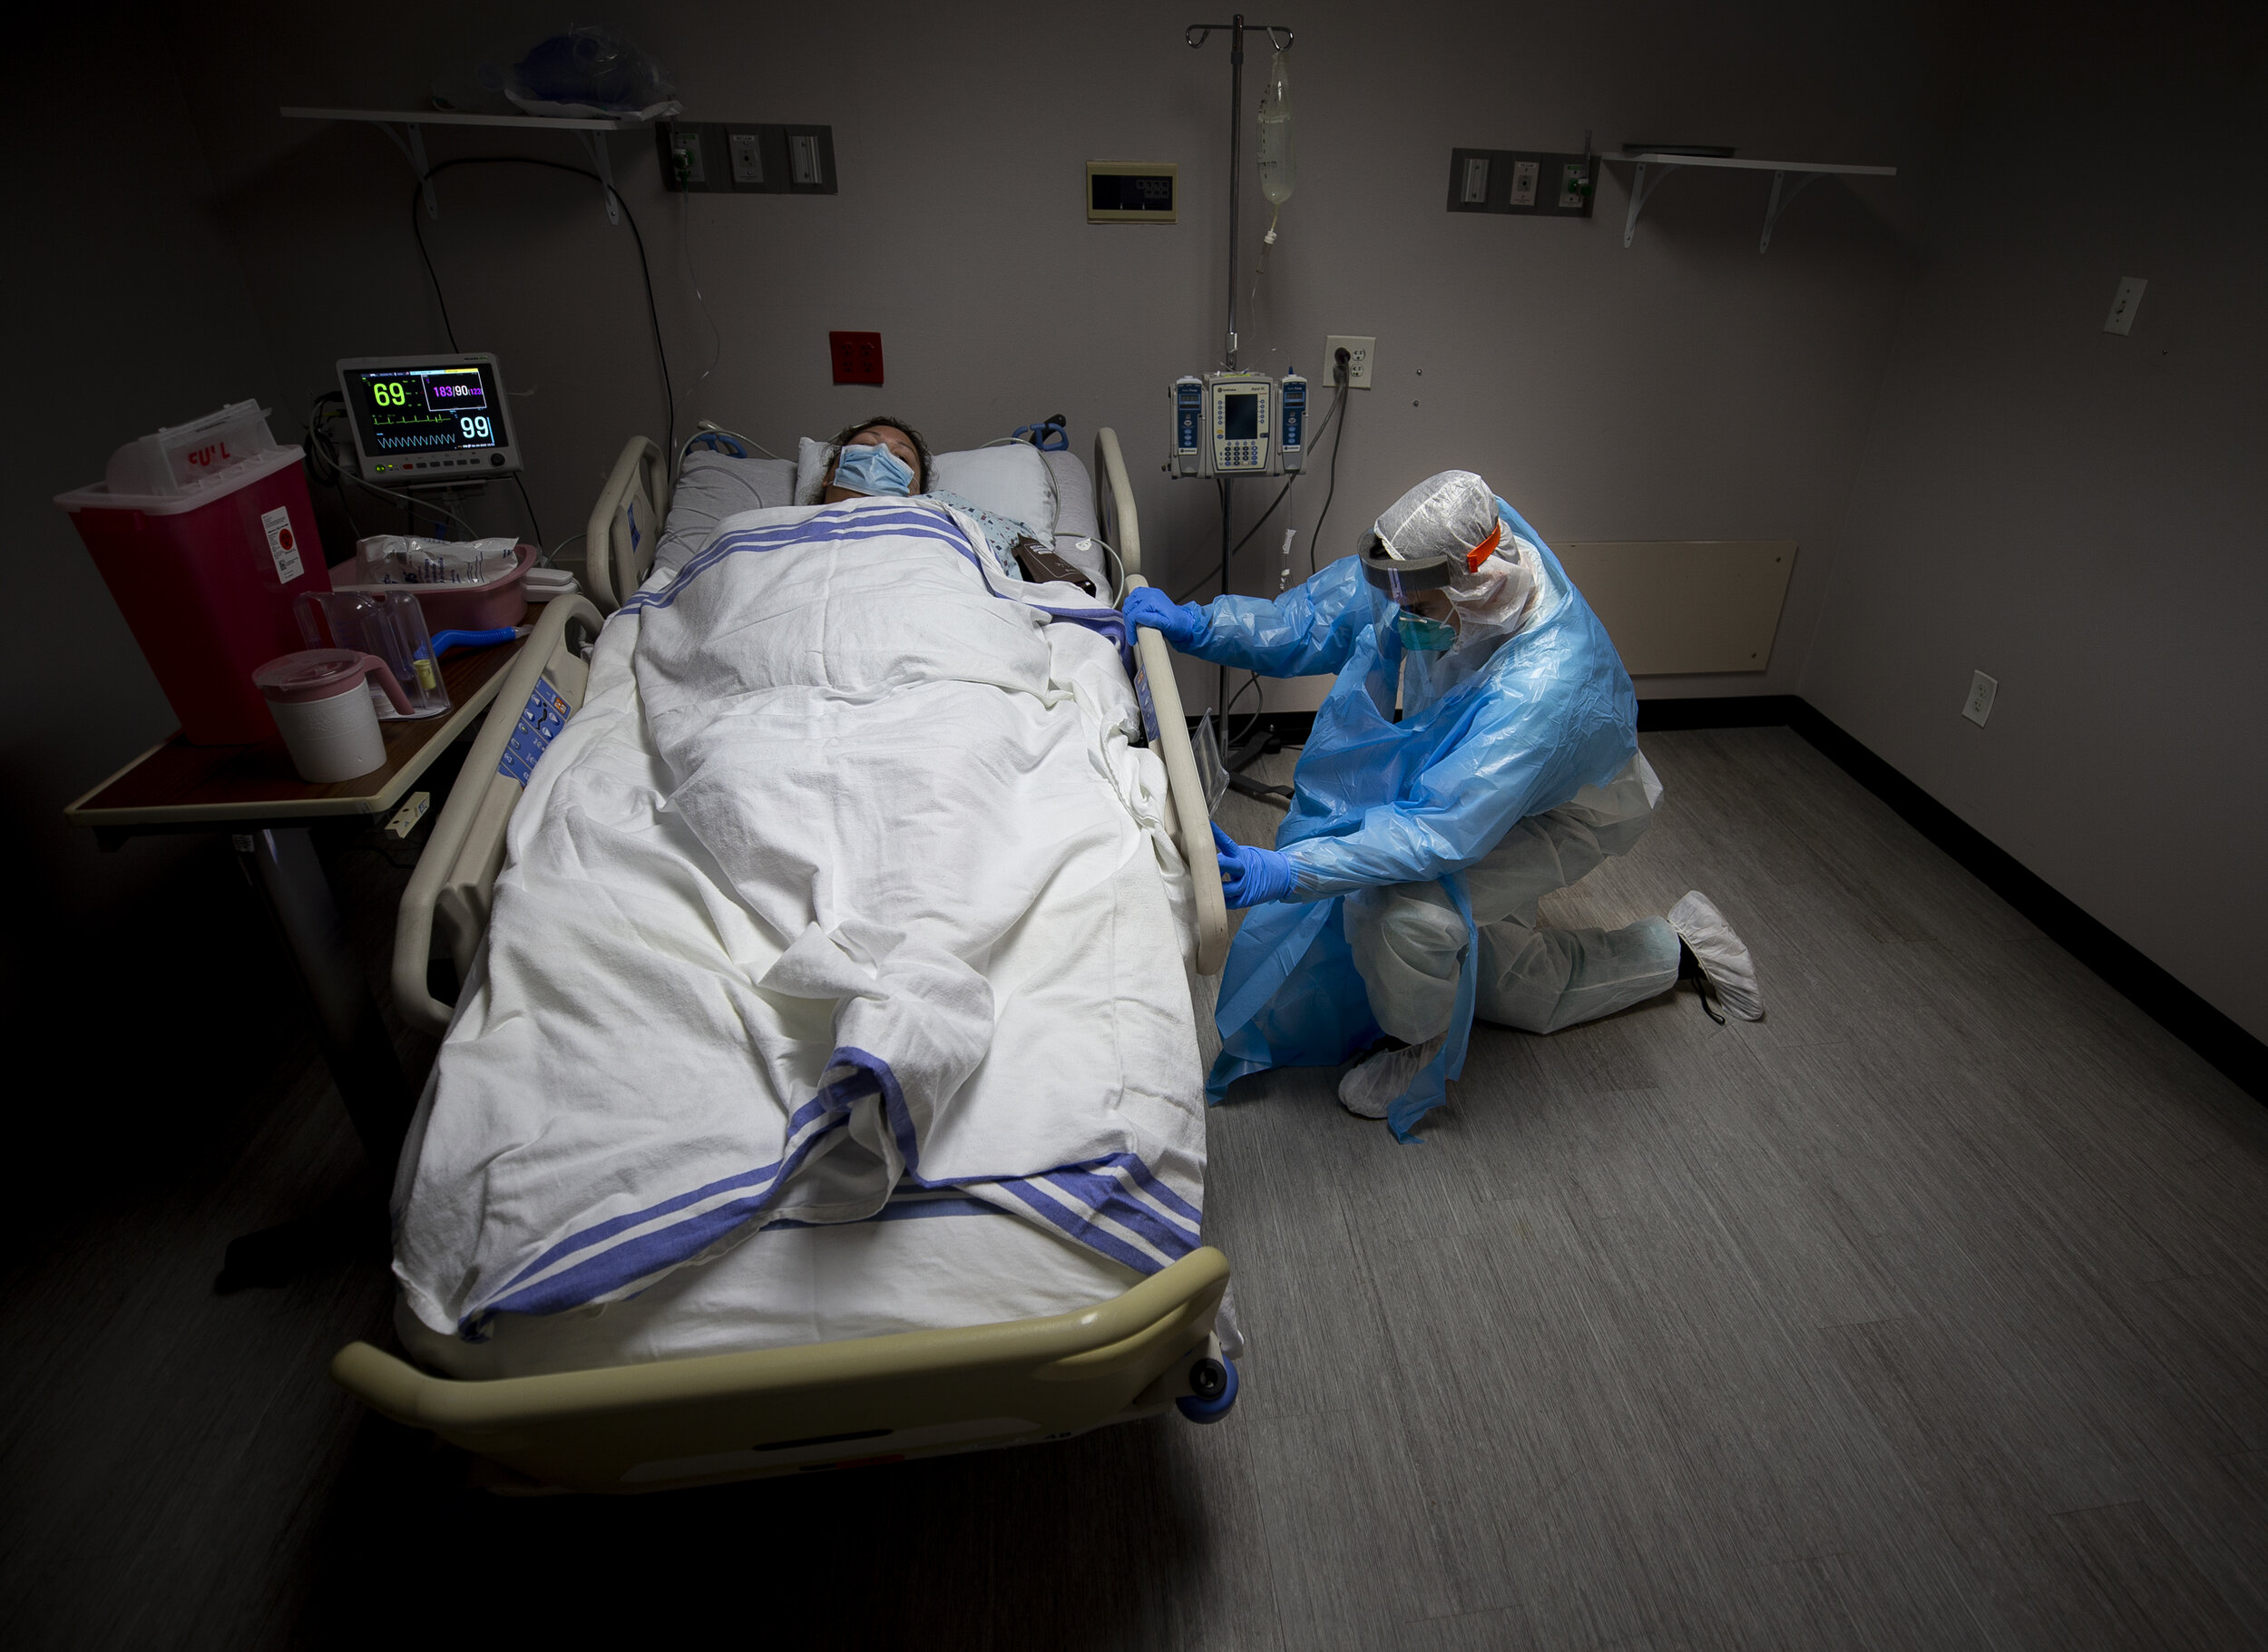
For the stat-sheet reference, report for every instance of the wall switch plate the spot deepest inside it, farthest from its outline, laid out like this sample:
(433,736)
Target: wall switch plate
(748,157)
(803,156)
(1981,689)
(2124,303)
(1359,354)
(1525,182)
(857,358)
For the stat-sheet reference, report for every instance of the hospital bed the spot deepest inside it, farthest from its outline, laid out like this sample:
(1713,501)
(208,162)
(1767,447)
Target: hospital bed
(728,1415)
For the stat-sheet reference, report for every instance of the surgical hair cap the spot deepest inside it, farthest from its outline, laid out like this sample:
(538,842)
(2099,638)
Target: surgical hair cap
(1493,574)
(1452,514)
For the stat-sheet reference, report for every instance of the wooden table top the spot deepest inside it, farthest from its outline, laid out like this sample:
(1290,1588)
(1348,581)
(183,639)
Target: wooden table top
(177,786)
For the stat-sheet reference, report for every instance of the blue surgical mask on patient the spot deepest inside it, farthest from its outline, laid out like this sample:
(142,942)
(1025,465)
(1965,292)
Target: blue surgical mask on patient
(873,470)
(1423,635)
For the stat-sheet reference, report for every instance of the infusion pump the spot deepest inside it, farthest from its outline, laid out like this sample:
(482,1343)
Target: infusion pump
(1239,424)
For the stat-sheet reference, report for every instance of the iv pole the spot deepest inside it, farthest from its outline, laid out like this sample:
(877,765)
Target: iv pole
(1193,36)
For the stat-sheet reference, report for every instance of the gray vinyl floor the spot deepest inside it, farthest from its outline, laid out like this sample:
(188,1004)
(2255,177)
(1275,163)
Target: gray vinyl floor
(1927,1312)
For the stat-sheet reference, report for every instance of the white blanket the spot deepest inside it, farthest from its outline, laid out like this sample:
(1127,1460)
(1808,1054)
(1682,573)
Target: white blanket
(845,880)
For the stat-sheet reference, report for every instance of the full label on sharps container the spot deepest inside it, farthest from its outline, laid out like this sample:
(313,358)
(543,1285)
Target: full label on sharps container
(283,544)
(544,715)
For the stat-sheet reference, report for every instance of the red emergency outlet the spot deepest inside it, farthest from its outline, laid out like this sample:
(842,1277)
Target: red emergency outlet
(857,358)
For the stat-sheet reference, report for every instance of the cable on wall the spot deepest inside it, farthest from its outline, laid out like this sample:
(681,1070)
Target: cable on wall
(645,265)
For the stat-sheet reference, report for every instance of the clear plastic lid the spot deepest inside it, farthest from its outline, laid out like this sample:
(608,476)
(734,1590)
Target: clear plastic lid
(316,673)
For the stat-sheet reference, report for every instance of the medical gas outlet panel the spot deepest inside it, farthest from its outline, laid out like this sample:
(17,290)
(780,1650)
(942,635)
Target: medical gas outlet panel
(1238,424)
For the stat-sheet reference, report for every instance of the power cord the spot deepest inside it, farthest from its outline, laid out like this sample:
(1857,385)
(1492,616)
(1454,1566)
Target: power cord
(322,454)
(1338,412)
(645,268)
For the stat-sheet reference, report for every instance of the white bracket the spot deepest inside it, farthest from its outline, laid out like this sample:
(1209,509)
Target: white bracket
(603,164)
(1639,190)
(411,141)
(1779,203)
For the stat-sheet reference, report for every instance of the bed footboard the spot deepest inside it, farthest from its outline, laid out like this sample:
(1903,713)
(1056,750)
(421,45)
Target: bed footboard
(877,1399)
(454,877)
(1192,820)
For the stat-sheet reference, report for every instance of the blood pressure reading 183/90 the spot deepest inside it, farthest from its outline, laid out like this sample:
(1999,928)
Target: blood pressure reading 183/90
(412,410)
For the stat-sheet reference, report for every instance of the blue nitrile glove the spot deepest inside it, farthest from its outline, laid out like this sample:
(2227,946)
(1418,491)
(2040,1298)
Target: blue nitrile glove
(1250,875)
(1179,623)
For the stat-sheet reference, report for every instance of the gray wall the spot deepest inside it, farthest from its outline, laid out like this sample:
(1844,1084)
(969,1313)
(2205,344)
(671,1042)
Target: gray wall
(129,311)
(1686,388)
(2081,515)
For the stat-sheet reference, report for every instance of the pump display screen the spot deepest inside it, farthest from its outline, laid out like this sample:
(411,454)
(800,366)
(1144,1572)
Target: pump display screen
(1240,417)
(408,411)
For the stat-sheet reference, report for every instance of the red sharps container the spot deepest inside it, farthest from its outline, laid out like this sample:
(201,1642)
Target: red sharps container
(204,534)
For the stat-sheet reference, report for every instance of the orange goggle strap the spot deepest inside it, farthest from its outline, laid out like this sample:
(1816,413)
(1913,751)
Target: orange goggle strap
(1486,549)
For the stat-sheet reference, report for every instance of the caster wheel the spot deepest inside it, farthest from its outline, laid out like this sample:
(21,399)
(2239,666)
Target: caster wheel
(1214,1382)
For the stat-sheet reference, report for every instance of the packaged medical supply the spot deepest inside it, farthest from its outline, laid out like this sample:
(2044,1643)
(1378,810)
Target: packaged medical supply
(401,558)
(205,535)
(474,584)
(320,704)
(388,624)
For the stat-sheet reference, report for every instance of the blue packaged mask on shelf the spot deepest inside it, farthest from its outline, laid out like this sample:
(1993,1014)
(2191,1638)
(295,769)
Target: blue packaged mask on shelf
(874,471)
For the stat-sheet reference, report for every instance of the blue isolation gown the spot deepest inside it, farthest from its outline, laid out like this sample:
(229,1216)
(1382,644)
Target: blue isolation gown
(1378,802)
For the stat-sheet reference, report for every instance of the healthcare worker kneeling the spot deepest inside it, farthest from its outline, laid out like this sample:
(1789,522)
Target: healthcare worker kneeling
(1403,899)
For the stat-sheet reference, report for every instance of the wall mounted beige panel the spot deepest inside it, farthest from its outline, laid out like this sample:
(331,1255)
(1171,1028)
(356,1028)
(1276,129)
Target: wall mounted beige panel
(1675,607)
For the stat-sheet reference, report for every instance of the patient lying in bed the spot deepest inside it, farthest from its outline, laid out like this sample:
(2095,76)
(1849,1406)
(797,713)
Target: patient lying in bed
(887,457)
(846,891)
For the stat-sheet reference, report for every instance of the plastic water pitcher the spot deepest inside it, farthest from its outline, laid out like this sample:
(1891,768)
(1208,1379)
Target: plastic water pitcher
(324,711)
(1279,166)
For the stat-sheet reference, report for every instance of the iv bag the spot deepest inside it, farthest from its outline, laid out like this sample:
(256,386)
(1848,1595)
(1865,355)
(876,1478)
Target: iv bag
(1279,167)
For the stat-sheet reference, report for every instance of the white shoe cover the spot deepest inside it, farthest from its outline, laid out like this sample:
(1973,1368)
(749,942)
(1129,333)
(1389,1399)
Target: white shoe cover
(1372,1085)
(1723,954)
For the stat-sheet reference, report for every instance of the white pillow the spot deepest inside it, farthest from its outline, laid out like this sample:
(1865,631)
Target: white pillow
(1011,480)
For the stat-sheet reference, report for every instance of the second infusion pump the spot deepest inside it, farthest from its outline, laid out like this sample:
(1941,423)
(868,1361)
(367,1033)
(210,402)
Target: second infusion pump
(1239,424)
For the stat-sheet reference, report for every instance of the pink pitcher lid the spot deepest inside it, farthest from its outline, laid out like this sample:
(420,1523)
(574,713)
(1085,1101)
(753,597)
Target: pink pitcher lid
(325,673)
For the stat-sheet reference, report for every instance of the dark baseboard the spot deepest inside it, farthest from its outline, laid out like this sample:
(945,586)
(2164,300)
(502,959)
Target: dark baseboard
(1731,711)
(2174,1006)
(2189,1018)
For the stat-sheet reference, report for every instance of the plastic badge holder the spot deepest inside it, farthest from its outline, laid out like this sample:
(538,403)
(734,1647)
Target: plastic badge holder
(389,624)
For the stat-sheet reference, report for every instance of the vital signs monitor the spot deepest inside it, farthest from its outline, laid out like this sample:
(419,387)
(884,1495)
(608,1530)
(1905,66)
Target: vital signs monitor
(428,418)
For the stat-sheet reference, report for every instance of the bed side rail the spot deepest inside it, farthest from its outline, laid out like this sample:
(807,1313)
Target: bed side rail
(458,872)
(626,523)
(629,1428)
(1186,793)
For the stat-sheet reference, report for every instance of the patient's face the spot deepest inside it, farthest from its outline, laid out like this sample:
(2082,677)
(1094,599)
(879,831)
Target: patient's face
(877,436)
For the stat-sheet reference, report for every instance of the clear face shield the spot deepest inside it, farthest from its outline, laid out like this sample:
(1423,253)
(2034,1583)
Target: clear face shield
(1413,584)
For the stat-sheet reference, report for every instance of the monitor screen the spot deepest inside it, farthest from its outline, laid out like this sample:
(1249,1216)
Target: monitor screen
(1240,416)
(405,412)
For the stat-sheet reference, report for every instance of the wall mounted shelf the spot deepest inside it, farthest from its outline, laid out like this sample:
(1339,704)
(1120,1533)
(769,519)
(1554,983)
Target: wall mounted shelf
(411,138)
(1662,162)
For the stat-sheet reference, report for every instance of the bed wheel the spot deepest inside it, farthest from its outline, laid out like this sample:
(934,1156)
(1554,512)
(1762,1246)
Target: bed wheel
(1213,1390)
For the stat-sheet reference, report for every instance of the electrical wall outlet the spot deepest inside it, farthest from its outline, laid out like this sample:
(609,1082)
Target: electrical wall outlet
(1981,689)
(1359,352)
(1524,183)
(748,157)
(2123,305)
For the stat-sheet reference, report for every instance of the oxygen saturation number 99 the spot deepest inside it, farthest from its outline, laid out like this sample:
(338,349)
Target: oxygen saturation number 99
(476,428)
